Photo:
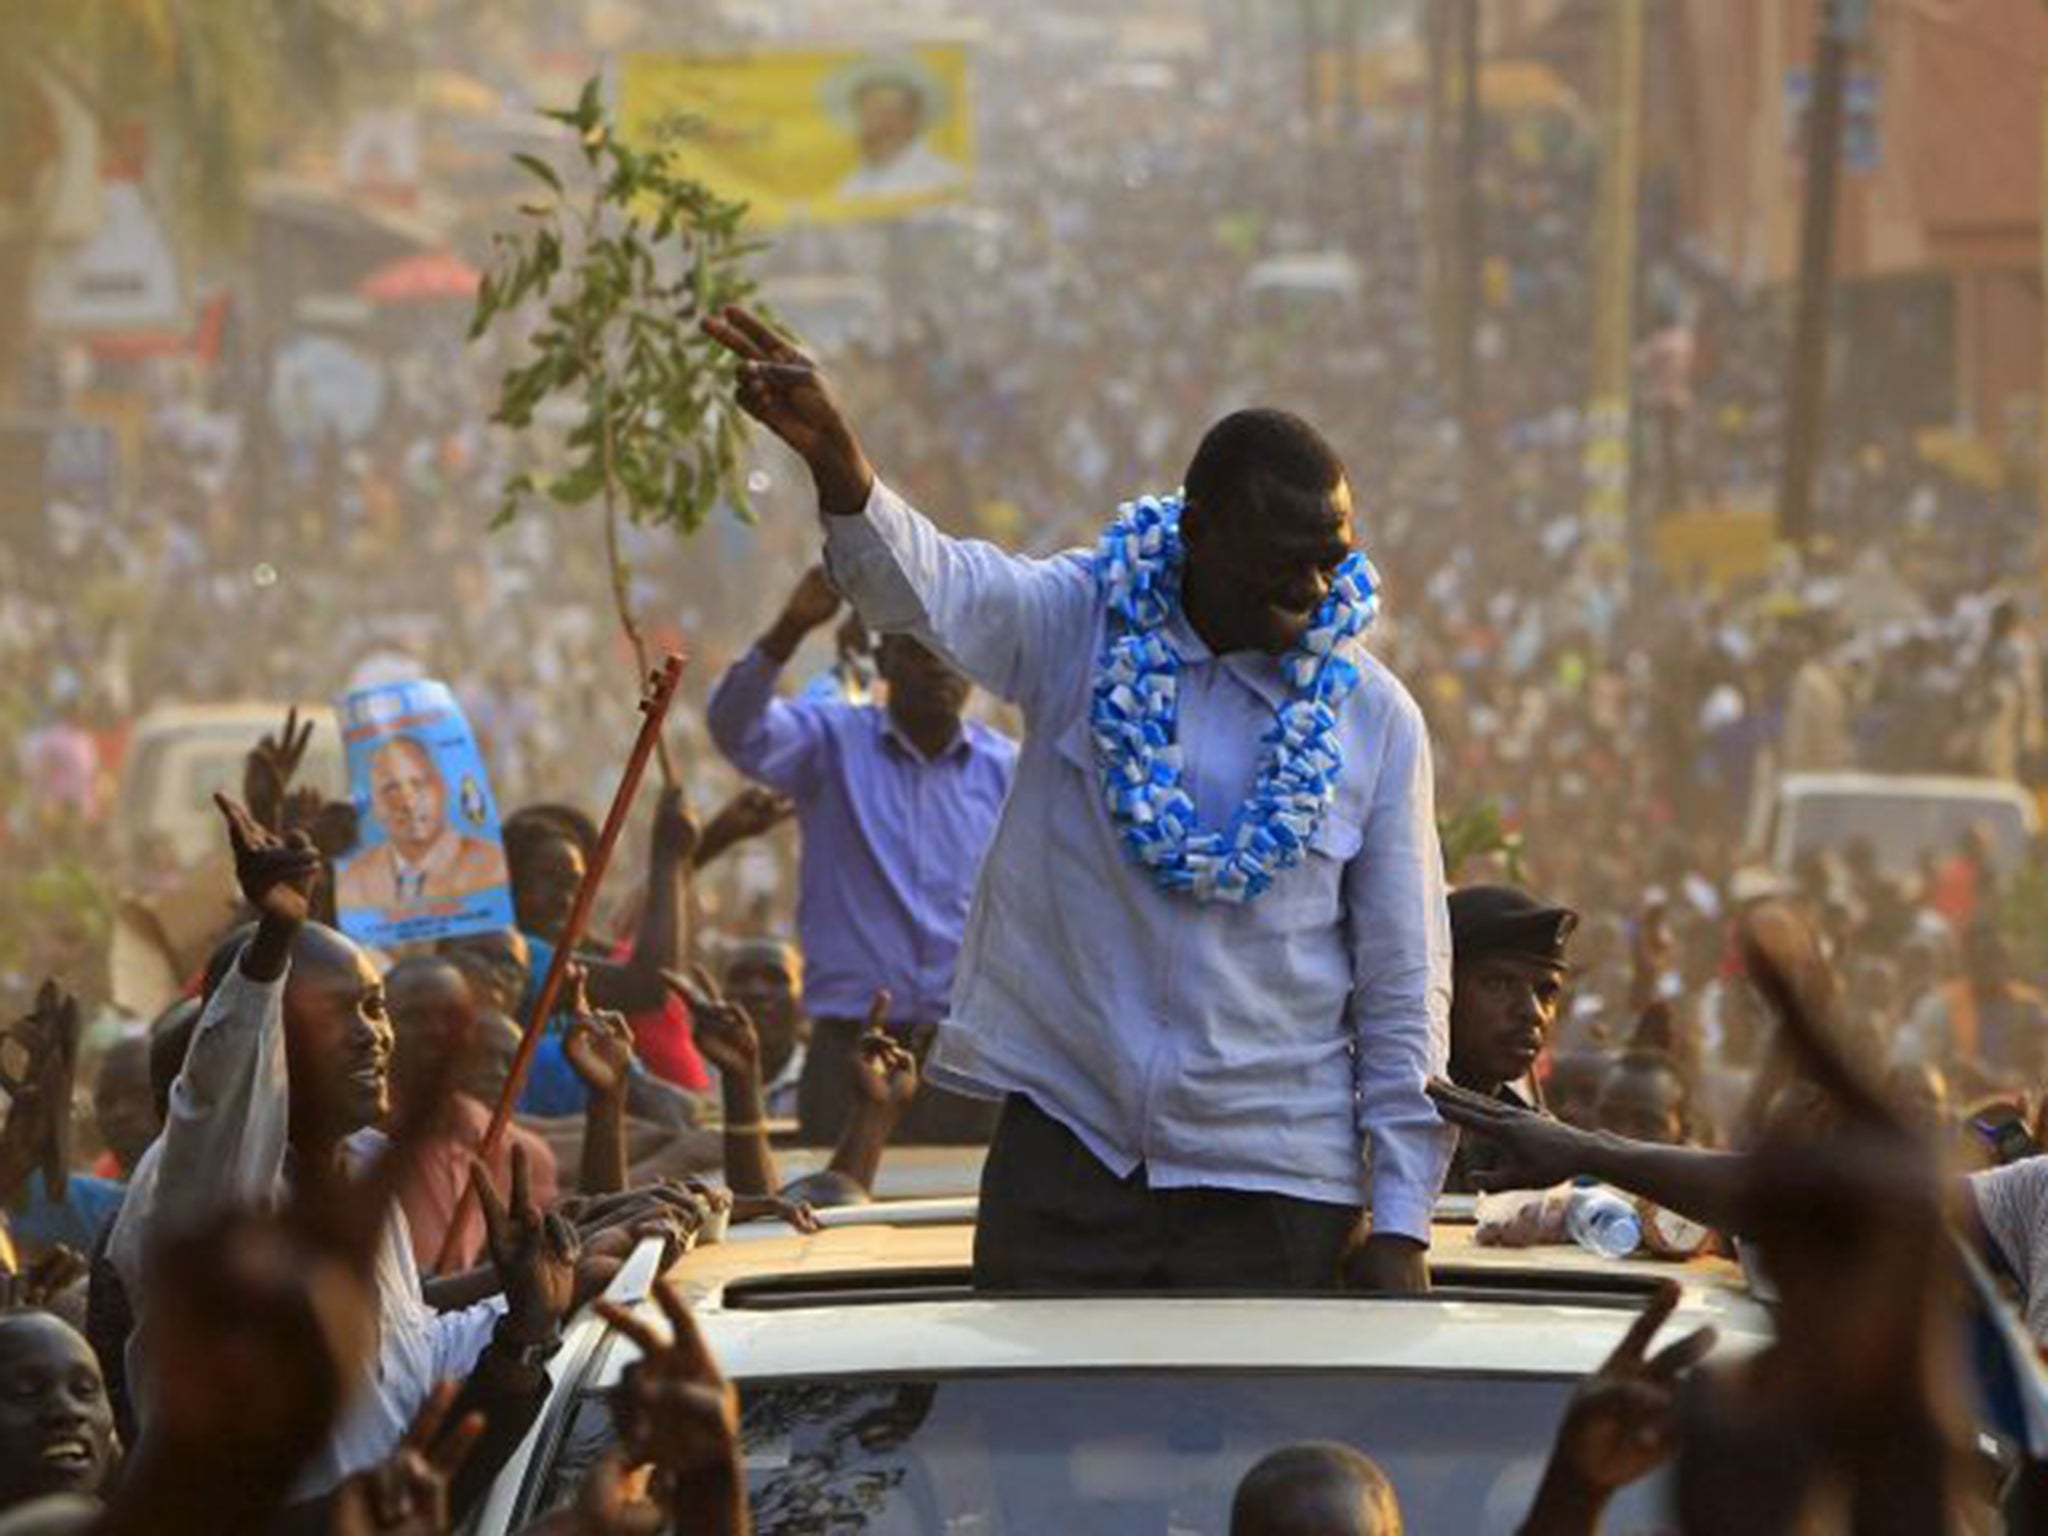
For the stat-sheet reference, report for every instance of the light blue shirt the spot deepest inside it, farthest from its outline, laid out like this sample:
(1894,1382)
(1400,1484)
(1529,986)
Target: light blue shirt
(892,839)
(1281,1046)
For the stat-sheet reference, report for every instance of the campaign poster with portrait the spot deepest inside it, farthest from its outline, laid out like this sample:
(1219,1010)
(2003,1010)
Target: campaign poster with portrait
(428,861)
(810,135)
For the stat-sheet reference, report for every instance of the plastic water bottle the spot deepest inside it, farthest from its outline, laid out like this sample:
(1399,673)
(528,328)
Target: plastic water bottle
(1602,1222)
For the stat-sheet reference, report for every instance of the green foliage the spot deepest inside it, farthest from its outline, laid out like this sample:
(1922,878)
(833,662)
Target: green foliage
(624,256)
(1475,831)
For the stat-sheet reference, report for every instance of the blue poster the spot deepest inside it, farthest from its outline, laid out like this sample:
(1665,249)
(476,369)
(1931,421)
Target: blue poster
(428,862)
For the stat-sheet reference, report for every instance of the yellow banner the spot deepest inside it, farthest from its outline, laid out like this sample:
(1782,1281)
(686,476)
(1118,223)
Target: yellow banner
(823,136)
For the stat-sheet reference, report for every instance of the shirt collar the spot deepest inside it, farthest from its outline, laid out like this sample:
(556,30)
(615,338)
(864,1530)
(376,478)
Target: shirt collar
(1257,672)
(891,732)
(440,854)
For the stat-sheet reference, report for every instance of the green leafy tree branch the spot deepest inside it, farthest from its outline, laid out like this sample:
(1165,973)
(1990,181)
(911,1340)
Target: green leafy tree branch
(622,257)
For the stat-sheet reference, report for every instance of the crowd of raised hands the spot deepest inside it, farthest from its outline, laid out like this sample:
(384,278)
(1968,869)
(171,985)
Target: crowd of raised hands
(263,1323)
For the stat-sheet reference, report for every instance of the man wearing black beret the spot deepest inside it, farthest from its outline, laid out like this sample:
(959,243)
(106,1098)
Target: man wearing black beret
(1507,982)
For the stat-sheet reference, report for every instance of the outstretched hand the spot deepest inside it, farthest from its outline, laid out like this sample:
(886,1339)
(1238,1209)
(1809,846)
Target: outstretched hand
(784,390)
(1533,1151)
(276,874)
(598,1045)
(1619,1426)
(884,1072)
(40,1287)
(753,812)
(270,767)
(38,1062)
(535,1253)
(407,1493)
(676,1410)
(724,1030)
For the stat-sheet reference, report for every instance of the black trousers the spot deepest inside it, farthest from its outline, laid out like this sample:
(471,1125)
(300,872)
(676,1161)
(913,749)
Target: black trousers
(825,1092)
(1054,1219)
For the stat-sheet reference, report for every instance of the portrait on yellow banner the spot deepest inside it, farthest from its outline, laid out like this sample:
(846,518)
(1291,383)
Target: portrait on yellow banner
(813,135)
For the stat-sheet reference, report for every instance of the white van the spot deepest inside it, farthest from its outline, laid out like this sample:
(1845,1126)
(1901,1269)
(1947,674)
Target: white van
(1902,816)
(181,754)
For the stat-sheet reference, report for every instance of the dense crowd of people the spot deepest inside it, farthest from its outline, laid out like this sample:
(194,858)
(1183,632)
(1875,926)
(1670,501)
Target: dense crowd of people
(274,1282)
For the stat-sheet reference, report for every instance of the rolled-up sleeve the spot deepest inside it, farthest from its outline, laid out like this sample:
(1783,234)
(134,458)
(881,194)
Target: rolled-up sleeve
(773,741)
(1000,618)
(1401,964)
(223,1142)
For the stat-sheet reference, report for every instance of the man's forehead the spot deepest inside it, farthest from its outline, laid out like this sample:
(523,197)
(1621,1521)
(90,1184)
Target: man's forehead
(398,754)
(28,1335)
(330,969)
(1312,524)
(1515,968)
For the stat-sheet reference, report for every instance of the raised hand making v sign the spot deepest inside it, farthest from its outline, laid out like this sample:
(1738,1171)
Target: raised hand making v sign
(1215,769)
(784,390)
(286,1079)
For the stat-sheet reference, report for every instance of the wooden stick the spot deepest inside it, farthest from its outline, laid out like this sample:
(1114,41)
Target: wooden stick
(661,692)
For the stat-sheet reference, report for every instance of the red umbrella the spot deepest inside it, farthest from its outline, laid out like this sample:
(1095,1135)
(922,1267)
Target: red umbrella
(419,279)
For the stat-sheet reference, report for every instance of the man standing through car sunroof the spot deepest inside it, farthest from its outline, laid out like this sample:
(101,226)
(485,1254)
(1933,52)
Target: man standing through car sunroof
(1207,969)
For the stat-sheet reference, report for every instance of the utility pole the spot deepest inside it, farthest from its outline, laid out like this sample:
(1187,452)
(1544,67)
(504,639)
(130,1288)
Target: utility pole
(1607,448)
(1840,26)
(1465,335)
(1313,34)
(1437,205)
(1350,49)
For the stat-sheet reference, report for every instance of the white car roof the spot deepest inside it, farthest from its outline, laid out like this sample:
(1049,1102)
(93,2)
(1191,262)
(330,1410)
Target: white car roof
(862,1297)
(885,1291)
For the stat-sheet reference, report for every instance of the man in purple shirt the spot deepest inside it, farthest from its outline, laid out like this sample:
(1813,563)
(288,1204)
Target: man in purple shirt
(897,805)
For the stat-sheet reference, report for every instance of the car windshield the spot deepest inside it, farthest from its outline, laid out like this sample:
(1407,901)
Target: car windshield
(1117,1453)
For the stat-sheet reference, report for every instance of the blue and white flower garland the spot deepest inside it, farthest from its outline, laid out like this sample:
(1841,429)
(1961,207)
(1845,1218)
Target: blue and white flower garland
(1134,718)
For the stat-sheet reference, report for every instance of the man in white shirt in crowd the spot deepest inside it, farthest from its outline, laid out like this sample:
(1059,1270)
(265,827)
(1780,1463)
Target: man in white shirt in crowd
(1211,1049)
(290,1061)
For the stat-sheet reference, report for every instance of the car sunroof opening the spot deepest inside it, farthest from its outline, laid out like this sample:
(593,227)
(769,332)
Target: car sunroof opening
(1452,1282)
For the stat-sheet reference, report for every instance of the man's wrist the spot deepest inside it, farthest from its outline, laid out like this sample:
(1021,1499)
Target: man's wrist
(844,483)
(1598,1155)
(783,639)
(1565,1503)
(527,1330)
(716,839)
(741,1095)
(266,955)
